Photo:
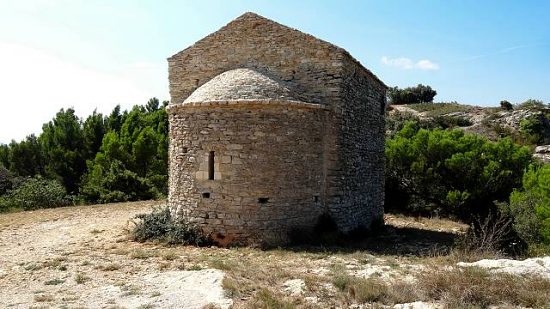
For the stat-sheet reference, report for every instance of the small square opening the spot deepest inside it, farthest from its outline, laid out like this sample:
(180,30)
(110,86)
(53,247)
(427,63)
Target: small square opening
(206,195)
(263,200)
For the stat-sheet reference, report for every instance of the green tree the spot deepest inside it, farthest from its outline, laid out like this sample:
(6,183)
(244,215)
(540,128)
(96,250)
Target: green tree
(62,141)
(131,163)
(93,131)
(450,172)
(410,95)
(114,120)
(4,155)
(26,157)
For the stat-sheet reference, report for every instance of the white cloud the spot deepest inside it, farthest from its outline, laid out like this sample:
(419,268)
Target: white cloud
(409,64)
(426,64)
(36,84)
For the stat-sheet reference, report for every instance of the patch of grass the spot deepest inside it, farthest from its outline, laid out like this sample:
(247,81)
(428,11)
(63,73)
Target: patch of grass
(164,266)
(110,267)
(120,251)
(43,298)
(231,287)
(265,298)
(169,255)
(475,287)
(53,263)
(81,278)
(370,290)
(436,109)
(141,254)
(181,266)
(222,264)
(538,250)
(96,231)
(54,282)
(32,267)
(195,267)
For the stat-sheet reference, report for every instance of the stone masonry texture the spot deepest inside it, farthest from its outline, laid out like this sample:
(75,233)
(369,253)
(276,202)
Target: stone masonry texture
(288,126)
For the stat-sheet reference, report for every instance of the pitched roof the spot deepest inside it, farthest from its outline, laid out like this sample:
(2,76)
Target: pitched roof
(253,19)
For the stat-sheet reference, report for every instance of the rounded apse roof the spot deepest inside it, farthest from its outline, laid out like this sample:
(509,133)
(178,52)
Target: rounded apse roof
(241,84)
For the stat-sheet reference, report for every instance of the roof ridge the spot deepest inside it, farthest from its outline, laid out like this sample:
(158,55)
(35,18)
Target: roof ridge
(253,15)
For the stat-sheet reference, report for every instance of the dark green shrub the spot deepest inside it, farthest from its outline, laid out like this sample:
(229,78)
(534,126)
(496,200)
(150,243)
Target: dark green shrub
(452,173)
(410,95)
(5,180)
(35,193)
(532,129)
(109,182)
(530,207)
(159,225)
(445,121)
(531,104)
(505,105)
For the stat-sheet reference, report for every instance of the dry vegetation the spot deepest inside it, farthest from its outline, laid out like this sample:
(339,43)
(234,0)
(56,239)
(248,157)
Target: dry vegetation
(56,258)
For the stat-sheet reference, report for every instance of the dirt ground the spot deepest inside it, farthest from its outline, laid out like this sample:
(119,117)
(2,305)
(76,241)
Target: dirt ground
(81,257)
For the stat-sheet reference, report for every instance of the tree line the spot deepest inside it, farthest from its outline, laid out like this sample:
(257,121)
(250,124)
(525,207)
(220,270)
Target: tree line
(103,158)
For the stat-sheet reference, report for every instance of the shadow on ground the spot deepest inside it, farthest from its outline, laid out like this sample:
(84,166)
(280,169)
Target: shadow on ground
(389,240)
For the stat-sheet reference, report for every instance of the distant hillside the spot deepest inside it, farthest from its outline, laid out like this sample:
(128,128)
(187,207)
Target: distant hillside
(525,125)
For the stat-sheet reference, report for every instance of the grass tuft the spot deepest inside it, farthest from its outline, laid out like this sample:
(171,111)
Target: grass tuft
(54,282)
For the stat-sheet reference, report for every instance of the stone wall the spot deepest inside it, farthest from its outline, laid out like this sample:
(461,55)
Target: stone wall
(268,167)
(356,182)
(304,62)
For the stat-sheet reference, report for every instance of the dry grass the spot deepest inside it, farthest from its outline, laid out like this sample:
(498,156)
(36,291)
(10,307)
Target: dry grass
(267,299)
(474,287)
(43,298)
(110,267)
(81,278)
(435,109)
(371,290)
(54,282)
(142,254)
(334,277)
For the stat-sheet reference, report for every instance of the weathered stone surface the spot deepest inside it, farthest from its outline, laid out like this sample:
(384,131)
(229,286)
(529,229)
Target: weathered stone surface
(542,153)
(241,84)
(296,127)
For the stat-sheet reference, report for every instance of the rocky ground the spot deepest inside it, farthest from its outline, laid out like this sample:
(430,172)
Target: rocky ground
(81,257)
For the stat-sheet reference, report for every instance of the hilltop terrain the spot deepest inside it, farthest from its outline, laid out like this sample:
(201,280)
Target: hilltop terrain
(525,125)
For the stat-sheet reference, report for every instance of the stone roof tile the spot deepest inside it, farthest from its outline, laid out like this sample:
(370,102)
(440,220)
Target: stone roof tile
(241,84)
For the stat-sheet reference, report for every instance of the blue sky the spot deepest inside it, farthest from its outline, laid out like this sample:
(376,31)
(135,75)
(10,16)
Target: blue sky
(90,54)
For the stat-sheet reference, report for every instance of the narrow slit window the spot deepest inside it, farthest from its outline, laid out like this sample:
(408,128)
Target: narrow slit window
(211,166)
